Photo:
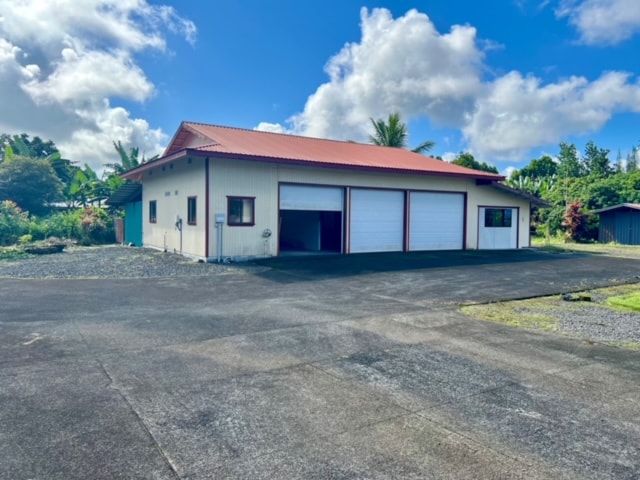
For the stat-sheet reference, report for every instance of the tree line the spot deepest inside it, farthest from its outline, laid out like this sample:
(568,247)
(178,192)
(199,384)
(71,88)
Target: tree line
(43,194)
(575,184)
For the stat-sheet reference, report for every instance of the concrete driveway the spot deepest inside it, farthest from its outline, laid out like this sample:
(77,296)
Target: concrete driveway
(344,367)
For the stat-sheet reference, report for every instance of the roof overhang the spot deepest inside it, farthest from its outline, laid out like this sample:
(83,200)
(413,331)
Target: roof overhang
(632,206)
(532,199)
(127,193)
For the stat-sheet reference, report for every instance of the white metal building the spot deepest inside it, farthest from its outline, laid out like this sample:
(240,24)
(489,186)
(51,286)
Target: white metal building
(220,192)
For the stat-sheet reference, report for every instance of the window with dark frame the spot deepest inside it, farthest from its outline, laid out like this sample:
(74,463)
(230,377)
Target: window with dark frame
(153,213)
(241,211)
(497,217)
(191,210)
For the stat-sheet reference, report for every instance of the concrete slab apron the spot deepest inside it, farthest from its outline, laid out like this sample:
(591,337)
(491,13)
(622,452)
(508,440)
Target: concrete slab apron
(332,378)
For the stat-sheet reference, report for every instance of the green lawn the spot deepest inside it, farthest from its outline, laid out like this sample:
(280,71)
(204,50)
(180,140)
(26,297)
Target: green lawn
(630,301)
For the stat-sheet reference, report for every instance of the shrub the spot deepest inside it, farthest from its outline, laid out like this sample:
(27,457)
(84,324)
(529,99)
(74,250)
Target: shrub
(88,226)
(13,222)
(96,226)
(24,239)
(578,227)
(62,225)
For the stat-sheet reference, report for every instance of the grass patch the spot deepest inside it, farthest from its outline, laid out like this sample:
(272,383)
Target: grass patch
(521,314)
(12,253)
(542,313)
(630,301)
(612,249)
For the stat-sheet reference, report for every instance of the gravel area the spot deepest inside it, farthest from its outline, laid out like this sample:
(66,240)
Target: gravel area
(115,262)
(599,323)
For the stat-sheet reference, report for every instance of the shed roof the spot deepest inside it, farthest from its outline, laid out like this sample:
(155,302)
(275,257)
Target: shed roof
(633,206)
(128,192)
(199,139)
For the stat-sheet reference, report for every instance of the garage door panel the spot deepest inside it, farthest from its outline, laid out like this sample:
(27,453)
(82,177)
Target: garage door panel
(436,221)
(377,221)
(311,198)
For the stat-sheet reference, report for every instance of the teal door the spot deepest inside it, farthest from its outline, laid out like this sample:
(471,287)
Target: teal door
(133,223)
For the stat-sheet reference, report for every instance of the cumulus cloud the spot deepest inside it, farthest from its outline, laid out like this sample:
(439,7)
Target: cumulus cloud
(602,22)
(516,113)
(271,127)
(401,64)
(406,65)
(63,63)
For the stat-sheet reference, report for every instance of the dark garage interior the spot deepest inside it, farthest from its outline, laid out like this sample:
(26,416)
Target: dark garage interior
(310,231)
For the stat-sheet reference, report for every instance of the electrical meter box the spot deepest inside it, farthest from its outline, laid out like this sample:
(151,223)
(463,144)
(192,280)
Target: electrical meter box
(220,218)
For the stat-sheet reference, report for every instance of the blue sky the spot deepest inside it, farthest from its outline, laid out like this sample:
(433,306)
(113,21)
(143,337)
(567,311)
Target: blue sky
(505,79)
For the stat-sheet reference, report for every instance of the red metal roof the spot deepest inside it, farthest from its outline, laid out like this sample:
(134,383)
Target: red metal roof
(252,144)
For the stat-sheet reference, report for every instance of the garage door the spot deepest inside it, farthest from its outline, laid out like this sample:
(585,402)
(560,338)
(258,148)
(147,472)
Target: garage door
(497,228)
(377,221)
(307,197)
(436,221)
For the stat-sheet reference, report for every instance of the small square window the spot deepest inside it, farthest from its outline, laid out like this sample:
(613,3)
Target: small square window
(497,217)
(240,211)
(153,214)
(191,210)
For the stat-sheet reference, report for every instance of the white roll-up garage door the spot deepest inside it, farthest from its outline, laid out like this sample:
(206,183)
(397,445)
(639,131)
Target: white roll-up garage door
(311,198)
(377,220)
(436,221)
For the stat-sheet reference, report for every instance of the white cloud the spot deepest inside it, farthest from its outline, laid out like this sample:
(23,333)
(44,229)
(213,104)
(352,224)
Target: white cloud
(406,65)
(516,114)
(602,22)
(449,156)
(509,171)
(402,64)
(63,63)
(271,127)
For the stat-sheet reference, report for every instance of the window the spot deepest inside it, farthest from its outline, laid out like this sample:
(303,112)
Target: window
(240,211)
(191,210)
(497,217)
(153,214)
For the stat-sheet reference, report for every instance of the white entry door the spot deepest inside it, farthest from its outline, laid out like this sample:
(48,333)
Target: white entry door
(436,221)
(497,228)
(377,220)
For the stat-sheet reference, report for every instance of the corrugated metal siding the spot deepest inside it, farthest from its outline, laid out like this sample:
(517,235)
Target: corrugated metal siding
(245,179)
(627,223)
(485,196)
(621,226)
(261,180)
(170,189)
(606,231)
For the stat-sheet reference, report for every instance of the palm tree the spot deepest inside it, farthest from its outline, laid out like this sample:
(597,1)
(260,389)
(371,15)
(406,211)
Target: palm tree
(393,133)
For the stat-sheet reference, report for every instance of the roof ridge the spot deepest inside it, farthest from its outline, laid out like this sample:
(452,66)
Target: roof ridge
(297,135)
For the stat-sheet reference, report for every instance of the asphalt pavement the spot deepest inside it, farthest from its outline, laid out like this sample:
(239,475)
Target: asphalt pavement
(347,367)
